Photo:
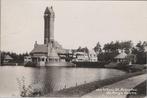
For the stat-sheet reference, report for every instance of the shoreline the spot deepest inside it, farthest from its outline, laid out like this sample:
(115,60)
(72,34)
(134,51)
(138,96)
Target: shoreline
(125,68)
(83,89)
(141,90)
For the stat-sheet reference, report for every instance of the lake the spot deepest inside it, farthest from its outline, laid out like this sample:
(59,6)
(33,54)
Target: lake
(49,78)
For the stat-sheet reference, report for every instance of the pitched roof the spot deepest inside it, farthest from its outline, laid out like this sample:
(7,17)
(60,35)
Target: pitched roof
(8,57)
(53,53)
(40,49)
(121,56)
(92,52)
(47,11)
(51,10)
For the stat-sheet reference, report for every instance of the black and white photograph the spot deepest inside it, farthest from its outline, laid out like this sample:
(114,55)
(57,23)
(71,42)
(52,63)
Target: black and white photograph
(73,48)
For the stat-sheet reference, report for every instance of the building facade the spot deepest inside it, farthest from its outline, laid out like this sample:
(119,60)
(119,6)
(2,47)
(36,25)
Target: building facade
(43,54)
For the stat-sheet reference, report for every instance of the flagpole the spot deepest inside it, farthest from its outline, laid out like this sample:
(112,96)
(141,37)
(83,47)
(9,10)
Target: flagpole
(51,2)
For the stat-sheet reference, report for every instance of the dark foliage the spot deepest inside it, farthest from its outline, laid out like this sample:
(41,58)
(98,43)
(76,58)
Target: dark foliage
(80,49)
(17,58)
(112,49)
(106,56)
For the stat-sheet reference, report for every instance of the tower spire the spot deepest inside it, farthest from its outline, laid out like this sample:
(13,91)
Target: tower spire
(47,11)
(49,16)
(51,3)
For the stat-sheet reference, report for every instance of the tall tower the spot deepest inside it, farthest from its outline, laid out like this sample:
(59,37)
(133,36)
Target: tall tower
(49,17)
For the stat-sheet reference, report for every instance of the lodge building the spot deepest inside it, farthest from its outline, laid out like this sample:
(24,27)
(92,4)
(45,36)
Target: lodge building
(51,51)
(42,54)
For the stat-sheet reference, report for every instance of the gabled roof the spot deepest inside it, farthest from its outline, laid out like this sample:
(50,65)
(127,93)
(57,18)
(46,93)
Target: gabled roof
(40,49)
(92,52)
(121,56)
(53,53)
(8,57)
(47,11)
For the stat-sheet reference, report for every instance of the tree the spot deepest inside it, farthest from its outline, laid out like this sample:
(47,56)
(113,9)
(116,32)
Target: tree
(17,58)
(106,47)
(97,48)
(140,52)
(85,49)
(112,49)
(79,49)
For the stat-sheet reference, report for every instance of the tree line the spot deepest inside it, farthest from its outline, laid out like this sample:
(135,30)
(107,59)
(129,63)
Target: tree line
(17,58)
(105,53)
(112,49)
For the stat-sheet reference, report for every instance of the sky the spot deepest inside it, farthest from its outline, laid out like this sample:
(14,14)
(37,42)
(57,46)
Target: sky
(77,23)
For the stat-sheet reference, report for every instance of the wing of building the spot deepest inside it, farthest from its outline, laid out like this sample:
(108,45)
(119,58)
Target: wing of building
(42,49)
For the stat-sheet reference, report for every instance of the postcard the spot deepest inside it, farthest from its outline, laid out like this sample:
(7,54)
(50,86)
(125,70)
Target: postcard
(73,48)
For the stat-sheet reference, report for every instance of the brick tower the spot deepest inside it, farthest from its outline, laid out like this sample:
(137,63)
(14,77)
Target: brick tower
(49,17)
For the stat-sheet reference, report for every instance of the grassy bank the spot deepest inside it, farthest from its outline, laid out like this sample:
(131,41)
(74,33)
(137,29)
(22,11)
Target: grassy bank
(112,65)
(88,87)
(90,64)
(141,91)
(126,67)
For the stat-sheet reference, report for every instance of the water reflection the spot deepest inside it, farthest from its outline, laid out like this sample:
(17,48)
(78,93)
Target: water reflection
(51,78)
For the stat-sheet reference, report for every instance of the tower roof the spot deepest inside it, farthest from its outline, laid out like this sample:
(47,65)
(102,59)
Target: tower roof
(49,10)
